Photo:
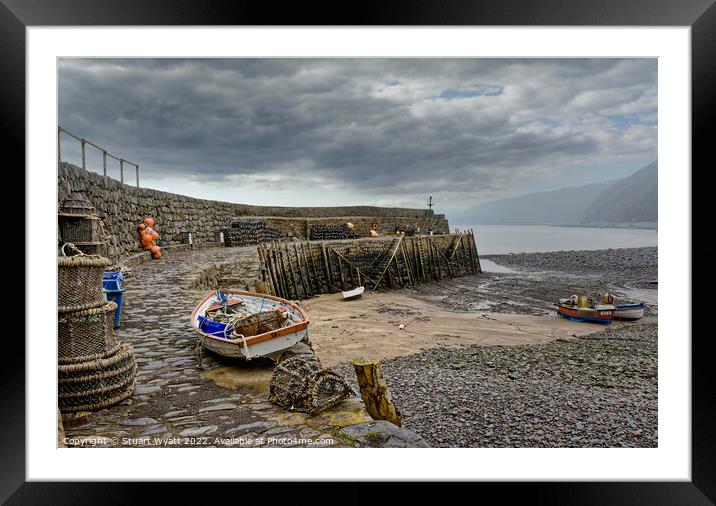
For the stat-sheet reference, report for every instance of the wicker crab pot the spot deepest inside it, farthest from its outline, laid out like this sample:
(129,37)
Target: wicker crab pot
(80,281)
(87,334)
(96,384)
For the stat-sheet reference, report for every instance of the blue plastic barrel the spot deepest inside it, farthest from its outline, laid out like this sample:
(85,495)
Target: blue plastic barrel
(112,280)
(113,290)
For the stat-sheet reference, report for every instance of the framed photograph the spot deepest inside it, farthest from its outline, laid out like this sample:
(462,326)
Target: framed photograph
(439,234)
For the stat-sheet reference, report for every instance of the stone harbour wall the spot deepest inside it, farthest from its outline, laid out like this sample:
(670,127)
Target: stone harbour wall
(122,207)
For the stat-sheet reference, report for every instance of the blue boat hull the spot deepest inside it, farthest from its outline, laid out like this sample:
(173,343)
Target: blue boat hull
(585,319)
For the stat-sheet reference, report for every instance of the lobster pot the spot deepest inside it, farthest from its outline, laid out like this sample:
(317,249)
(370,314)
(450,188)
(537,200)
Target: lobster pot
(96,384)
(248,232)
(327,232)
(300,384)
(80,282)
(87,334)
(78,228)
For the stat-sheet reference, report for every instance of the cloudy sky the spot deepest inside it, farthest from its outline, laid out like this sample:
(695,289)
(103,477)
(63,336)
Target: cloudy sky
(363,131)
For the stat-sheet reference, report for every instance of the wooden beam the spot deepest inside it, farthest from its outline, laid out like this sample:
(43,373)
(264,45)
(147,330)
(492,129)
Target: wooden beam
(374,391)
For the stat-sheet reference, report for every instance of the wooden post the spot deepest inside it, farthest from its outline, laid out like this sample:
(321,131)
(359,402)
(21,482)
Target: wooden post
(340,269)
(267,267)
(290,270)
(270,259)
(327,265)
(280,270)
(374,391)
(301,273)
(474,248)
(317,280)
(407,264)
(311,280)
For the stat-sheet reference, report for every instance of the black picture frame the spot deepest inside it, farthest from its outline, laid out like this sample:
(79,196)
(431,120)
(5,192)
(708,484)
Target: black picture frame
(700,15)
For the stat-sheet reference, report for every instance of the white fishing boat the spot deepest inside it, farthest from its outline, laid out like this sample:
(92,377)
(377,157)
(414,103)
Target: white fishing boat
(353,294)
(629,311)
(247,325)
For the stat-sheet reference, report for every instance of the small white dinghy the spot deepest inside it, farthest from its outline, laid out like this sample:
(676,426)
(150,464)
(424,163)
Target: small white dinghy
(255,325)
(353,294)
(629,311)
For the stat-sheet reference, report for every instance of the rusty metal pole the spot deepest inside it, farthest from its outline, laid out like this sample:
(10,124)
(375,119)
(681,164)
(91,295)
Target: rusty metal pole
(121,170)
(104,163)
(82,142)
(137,167)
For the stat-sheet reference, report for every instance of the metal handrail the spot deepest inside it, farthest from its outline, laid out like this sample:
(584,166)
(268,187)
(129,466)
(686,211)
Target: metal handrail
(105,154)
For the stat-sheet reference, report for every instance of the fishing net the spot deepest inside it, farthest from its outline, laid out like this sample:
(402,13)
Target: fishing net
(251,324)
(87,334)
(300,384)
(97,384)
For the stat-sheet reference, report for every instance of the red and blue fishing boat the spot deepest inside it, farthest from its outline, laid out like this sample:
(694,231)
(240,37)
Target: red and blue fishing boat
(583,309)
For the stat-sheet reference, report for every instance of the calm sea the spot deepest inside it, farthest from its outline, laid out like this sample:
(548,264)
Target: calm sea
(494,239)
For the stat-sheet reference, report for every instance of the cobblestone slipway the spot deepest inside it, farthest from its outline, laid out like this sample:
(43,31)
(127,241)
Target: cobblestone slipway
(177,403)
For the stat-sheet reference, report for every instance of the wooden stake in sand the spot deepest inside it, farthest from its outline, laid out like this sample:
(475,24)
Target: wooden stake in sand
(374,391)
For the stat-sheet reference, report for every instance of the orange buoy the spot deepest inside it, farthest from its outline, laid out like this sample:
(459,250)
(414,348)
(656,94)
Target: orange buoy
(154,235)
(155,249)
(142,226)
(157,255)
(149,221)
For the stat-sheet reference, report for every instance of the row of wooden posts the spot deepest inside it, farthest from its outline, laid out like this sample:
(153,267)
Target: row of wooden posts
(301,269)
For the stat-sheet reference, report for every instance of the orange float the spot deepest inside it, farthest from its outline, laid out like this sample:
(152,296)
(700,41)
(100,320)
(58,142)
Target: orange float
(154,235)
(155,249)
(149,221)
(142,226)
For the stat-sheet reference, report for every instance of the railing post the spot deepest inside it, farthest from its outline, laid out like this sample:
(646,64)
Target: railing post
(121,170)
(82,142)
(137,167)
(104,163)
(59,155)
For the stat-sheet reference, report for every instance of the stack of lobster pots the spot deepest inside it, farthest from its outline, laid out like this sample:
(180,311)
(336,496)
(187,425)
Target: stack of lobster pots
(95,370)
(248,232)
(327,232)
(80,225)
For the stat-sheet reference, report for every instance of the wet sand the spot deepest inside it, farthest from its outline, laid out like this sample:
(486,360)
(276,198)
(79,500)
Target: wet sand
(369,327)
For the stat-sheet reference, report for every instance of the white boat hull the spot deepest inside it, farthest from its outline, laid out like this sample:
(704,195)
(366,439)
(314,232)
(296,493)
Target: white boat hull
(270,348)
(353,294)
(629,312)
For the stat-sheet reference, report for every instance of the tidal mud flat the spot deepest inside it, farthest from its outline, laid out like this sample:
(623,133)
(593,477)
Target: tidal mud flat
(534,281)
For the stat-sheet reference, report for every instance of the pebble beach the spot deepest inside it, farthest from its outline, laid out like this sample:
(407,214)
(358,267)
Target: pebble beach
(597,390)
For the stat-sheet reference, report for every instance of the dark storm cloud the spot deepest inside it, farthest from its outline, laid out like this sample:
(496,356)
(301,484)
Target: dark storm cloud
(451,125)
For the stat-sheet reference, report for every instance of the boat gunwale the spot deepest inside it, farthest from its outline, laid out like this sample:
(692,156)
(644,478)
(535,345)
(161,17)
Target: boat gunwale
(258,338)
